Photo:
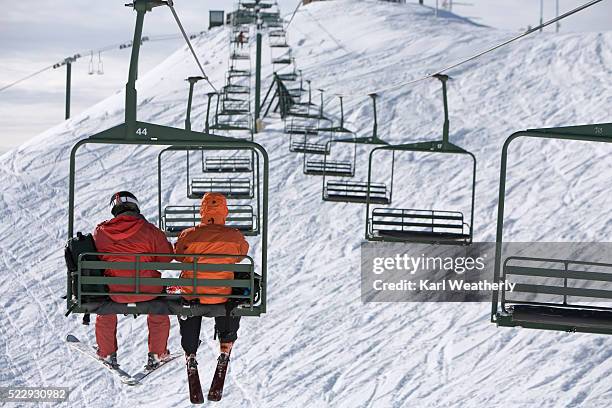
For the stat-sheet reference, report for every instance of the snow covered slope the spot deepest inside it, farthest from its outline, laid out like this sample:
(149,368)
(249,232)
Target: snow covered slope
(318,345)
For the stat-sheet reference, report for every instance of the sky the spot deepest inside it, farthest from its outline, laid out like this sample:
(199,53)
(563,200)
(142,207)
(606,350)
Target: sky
(38,33)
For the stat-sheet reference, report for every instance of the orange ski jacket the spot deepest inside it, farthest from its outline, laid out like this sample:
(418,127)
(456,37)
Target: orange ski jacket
(211,236)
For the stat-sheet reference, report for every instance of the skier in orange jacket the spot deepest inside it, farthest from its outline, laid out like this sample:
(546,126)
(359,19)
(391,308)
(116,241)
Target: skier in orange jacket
(211,236)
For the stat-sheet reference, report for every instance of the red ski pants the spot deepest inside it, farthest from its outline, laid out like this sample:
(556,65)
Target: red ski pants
(106,333)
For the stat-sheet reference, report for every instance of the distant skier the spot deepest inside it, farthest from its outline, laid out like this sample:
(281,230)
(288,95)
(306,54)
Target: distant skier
(130,232)
(211,236)
(241,38)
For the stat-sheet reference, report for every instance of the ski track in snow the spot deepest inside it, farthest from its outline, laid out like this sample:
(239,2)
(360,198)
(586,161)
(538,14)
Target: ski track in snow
(319,345)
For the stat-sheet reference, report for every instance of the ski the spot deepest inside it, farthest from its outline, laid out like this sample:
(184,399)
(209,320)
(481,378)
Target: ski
(146,371)
(91,352)
(216,387)
(195,388)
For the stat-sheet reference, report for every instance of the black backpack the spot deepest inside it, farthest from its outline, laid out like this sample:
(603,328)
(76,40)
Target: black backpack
(75,247)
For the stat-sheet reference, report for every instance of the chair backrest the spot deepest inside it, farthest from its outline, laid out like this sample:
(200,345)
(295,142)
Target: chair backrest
(417,220)
(556,282)
(243,267)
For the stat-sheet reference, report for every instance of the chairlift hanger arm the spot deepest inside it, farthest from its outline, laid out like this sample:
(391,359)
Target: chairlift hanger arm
(438,146)
(114,136)
(368,140)
(445,129)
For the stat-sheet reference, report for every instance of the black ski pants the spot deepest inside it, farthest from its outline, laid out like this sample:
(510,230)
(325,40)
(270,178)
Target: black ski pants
(226,329)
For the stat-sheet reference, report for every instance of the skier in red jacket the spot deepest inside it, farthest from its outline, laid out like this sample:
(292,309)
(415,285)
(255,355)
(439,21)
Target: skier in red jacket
(130,232)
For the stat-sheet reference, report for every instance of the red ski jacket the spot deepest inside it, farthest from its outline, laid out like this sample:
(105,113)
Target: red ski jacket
(132,234)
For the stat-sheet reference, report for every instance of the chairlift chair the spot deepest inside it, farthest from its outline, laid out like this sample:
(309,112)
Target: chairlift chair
(236,54)
(226,164)
(252,4)
(282,60)
(414,224)
(278,39)
(351,191)
(575,288)
(276,33)
(242,17)
(304,144)
(234,89)
(301,125)
(134,132)
(340,127)
(290,74)
(234,72)
(233,187)
(330,168)
(231,121)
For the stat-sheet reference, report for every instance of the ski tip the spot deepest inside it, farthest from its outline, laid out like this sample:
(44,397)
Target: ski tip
(214,398)
(71,339)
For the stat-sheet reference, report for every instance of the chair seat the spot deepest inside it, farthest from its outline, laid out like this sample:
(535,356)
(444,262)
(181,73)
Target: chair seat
(356,198)
(423,235)
(355,192)
(172,305)
(563,316)
(295,130)
(330,168)
(309,148)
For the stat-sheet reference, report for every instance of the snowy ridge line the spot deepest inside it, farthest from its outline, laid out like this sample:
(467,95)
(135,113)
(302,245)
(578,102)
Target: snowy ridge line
(464,61)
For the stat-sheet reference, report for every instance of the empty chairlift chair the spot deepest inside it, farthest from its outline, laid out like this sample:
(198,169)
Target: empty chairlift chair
(226,164)
(301,125)
(281,57)
(234,106)
(231,120)
(233,187)
(239,65)
(419,225)
(351,191)
(413,224)
(320,145)
(551,293)
(339,167)
(305,144)
(271,18)
(290,74)
(319,167)
(278,38)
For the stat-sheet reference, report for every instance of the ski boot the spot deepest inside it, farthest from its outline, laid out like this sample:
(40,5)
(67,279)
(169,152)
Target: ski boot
(154,360)
(111,360)
(192,363)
